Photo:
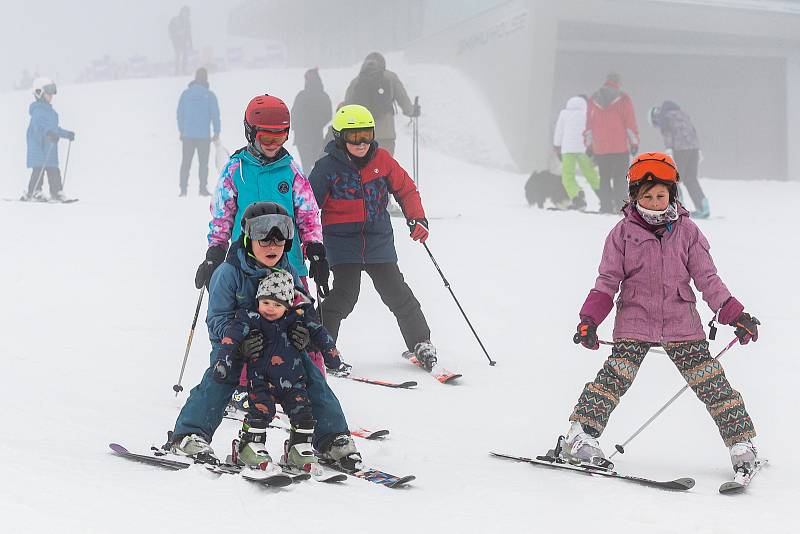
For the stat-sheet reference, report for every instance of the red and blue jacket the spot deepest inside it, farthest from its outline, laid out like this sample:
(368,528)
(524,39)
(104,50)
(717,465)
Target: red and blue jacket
(356,227)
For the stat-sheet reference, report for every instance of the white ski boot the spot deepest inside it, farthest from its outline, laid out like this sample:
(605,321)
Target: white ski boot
(579,447)
(743,455)
(298,451)
(253,451)
(343,452)
(194,446)
(425,353)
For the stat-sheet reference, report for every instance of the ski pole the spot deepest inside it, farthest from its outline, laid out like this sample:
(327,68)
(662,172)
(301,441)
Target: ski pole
(415,141)
(66,166)
(177,388)
(41,173)
(447,285)
(621,448)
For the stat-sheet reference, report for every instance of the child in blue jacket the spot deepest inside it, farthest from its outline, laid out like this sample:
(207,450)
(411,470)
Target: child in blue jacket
(42,139)
(277,373)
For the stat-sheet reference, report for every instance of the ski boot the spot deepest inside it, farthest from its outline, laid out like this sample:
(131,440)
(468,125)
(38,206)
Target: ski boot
(297,450)
(425,353)
(743,455)
(252,451)
(342,451)
(704,212)
(579,447)
(193,446)
(37,196)
(579,202)
(237,402)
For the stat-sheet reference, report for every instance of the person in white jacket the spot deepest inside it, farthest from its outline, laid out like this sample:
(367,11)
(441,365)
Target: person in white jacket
(568,143)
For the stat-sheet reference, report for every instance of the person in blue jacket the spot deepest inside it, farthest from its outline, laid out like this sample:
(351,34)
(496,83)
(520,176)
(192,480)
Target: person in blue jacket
(197,110)
(267,232)
(42,139)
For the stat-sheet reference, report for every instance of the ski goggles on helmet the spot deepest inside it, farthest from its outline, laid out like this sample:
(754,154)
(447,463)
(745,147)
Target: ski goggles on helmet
(270,227)
(268,137)
(50,89)
(358,136)
(653,166)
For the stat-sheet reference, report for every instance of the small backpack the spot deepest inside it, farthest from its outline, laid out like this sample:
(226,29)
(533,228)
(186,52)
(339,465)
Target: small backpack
(374,91)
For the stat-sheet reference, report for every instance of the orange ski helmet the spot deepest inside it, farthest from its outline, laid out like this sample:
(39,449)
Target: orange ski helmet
(653,167)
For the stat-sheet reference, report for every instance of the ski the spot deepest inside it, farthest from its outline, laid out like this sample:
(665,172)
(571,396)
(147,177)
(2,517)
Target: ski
(369,434)
(49,201)
(318,473)
(439,373)
(159,459)
(376,476)
(742,479)
(385,383)
(167,463)
(679,484)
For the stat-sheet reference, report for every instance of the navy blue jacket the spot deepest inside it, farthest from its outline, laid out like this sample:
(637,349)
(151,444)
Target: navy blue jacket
(44,120)
(356,227)
(197,109)
(276,339)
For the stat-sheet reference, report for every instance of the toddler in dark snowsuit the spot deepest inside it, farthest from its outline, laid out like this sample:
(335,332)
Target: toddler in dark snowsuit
(277,374)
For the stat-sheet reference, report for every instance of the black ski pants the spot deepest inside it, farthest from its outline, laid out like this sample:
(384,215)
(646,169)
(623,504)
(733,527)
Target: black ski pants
(688,162)
(37,179)
(203,147)
(393,290)
(613,180)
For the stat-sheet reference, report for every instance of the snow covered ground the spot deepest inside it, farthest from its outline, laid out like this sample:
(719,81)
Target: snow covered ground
(97,298)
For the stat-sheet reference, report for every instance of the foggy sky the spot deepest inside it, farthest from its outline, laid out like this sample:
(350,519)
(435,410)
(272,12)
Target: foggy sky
(60,38)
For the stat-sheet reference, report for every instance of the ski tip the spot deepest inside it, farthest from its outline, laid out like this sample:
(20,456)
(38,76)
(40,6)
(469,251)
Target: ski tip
(448,378)
(401,482)
(116,447)
(407,385)
(683,483)
(731,487)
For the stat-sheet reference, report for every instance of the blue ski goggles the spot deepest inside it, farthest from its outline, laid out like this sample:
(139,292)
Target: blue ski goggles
(269,227)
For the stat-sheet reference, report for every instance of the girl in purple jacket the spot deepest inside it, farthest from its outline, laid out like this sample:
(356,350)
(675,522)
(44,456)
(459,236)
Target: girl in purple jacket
(650,256)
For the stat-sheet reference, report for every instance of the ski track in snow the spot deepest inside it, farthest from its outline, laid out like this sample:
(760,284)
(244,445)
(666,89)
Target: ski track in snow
(98,298)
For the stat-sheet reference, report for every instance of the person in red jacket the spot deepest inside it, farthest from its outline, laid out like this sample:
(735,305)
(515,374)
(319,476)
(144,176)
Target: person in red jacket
(612,137)
(352,184)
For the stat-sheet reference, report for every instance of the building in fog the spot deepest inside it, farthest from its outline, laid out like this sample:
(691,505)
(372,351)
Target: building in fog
(733,65)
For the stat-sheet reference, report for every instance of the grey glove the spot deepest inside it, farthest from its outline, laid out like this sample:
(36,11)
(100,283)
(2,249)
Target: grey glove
(251,346)
(299,335)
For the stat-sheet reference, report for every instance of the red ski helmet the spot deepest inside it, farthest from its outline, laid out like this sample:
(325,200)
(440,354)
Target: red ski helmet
(265,112)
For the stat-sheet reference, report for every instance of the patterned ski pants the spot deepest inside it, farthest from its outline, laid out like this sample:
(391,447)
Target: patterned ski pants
(703,373)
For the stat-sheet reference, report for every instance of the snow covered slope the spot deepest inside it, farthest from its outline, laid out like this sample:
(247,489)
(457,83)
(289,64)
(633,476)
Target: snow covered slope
(97,298)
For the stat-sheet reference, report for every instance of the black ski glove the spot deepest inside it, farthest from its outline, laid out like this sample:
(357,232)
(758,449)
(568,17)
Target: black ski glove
(222,370)
(746,328)
(70,136)
(251,346)
(299,335)
(320,271)
(214,257)
(587,334)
